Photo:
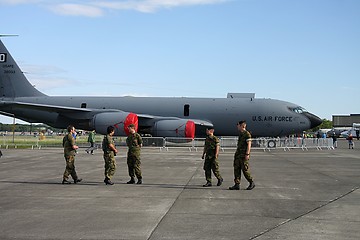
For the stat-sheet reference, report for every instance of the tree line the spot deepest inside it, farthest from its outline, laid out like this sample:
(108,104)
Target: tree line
(27,128)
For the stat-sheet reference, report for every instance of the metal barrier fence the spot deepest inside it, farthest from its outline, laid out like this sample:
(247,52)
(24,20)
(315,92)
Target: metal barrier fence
(285,144)
(265,144)
(197,144)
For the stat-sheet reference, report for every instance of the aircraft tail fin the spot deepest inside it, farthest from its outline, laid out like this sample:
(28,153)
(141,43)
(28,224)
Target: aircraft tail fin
(13,82)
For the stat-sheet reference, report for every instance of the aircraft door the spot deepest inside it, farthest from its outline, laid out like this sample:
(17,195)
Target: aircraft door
(186,110)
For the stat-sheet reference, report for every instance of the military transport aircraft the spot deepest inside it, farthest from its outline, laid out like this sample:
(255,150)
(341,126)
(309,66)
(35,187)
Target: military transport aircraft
(158,116)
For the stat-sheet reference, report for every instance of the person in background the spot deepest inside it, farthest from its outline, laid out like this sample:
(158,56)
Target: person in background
(91,140)
(350,141)
(334,138)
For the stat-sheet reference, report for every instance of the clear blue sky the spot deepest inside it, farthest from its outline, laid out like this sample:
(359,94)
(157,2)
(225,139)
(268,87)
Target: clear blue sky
(302,51)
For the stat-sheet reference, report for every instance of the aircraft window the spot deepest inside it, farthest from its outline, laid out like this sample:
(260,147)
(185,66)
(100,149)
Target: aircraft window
(83,105)
(186,110)
(298,110)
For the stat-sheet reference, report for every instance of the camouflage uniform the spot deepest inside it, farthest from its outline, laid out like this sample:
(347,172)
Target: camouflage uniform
(91,140)
(211,162)
(109,157)
(240,163)
(134,141)
(69,154)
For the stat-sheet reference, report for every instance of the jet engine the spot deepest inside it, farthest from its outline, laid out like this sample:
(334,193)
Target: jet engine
(174,128)
(120,120)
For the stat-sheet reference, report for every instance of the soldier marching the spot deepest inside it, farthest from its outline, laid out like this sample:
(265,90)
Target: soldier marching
(134,143)
(210,154)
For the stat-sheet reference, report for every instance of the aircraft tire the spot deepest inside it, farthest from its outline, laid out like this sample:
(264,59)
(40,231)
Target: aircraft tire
(271,144)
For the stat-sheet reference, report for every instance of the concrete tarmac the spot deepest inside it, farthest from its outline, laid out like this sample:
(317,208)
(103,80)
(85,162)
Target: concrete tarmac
(298,195)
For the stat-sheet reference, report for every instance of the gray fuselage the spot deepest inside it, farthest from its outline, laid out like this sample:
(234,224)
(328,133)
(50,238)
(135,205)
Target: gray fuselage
(264,117)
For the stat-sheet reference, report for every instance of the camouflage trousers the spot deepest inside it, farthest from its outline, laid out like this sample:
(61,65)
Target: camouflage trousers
(211,164)
(241,165)
(134,169)
(70,167)
(110,165)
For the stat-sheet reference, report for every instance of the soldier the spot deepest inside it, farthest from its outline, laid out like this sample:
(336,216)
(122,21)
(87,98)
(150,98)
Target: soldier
(242,157)
(69,154)
(211,151)
(110,151)
(91,140)
(134,143)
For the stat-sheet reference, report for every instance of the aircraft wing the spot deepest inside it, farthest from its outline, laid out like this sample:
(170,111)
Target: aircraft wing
(100,119)
(50,108)
(160,118)
(71,112)
(202,123)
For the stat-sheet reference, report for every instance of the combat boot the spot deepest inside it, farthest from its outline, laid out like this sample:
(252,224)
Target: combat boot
(139,181)
(132,181)
(251,185)
(235,187)
(220,181)
(108,182)
(77,180)
(207,184)
(65,181)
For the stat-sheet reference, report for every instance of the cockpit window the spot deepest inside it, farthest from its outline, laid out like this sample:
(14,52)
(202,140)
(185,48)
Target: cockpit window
(298,110)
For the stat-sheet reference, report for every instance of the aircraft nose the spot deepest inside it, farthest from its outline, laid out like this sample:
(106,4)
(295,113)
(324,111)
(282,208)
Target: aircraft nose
(314,120)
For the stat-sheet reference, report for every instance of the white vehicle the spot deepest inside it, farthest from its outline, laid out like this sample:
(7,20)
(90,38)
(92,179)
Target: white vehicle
(354,131)
(337,131)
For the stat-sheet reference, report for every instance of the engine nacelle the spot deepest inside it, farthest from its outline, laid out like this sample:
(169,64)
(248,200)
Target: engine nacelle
(174,128)
(120,120)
